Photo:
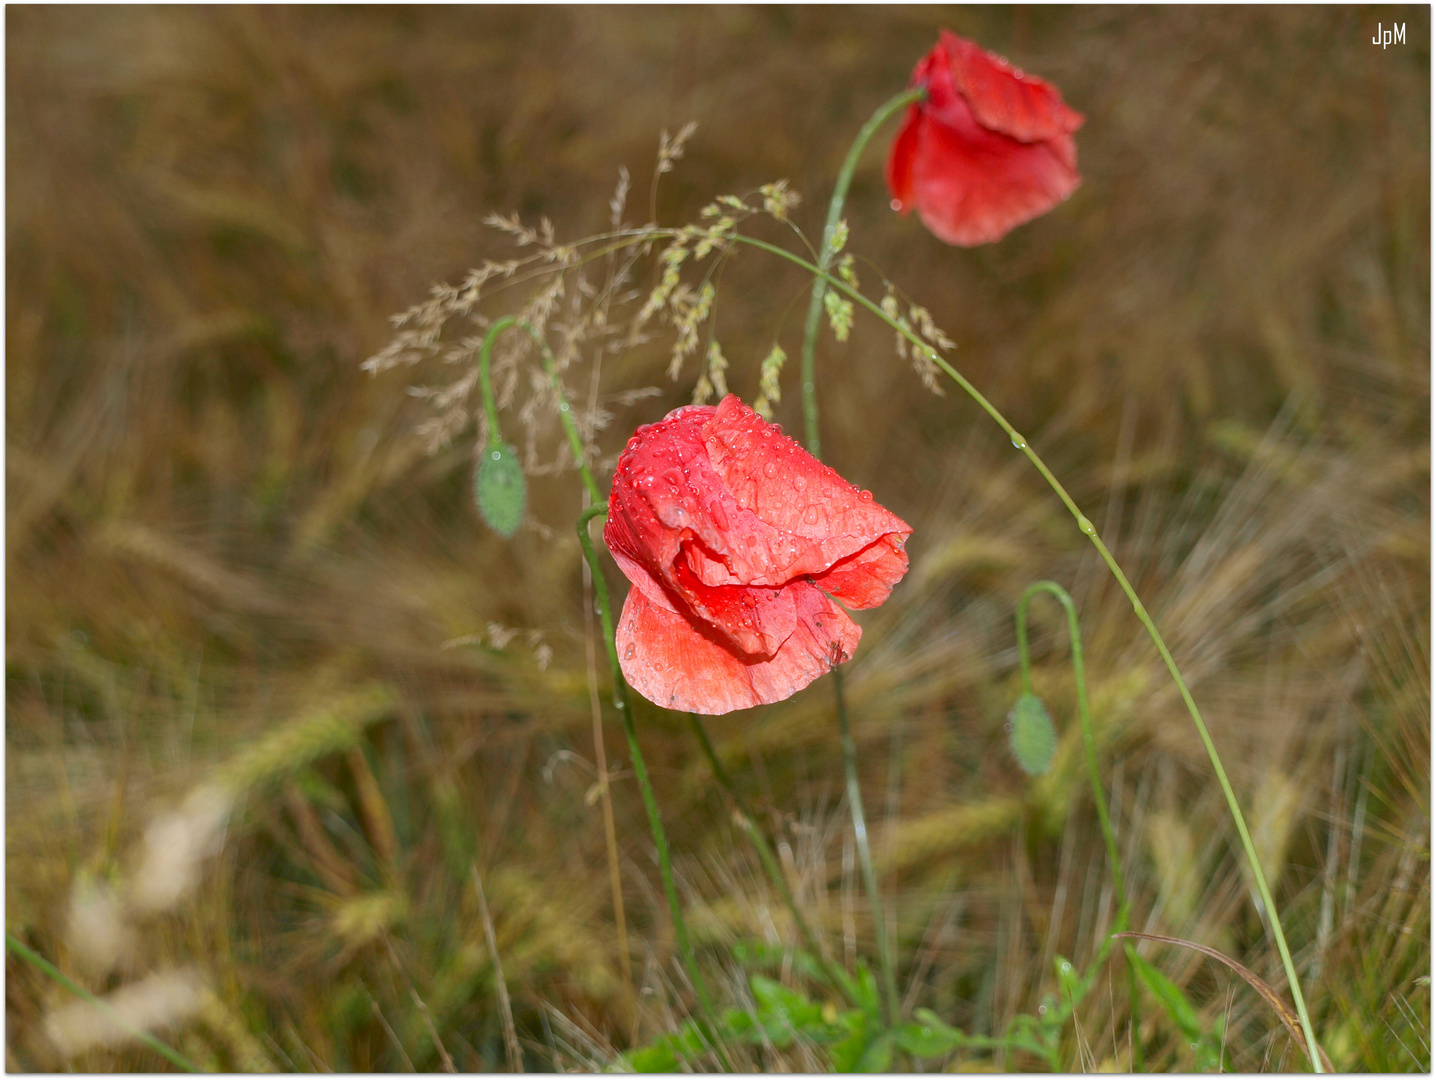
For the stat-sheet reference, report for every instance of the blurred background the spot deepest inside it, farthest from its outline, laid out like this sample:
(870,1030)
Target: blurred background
(275,694)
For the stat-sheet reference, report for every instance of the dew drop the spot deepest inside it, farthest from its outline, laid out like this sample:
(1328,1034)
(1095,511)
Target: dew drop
(810,515)
(866,496)
(1019,443)
(770,469)
(896,204)
(628,652)
(800,481)
(1086,526)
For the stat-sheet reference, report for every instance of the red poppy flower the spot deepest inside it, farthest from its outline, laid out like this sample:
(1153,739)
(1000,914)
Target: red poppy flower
(988,149)
(732,535)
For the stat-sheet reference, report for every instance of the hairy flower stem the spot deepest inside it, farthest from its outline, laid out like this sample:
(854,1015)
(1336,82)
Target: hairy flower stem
(825,257)
(745,820)
(1090,531)
(645,786)
(826,250)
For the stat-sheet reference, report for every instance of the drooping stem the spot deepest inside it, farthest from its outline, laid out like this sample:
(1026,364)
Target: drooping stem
(1094,772)
(640,772)
(1090,531)
(1079,675)
(825,258)
(486,386)
(745,820)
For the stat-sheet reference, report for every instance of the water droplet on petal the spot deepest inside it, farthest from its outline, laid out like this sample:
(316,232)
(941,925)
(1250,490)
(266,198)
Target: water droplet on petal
(810,515)
(628,652)
(770,470)
(800,481)
(866,496)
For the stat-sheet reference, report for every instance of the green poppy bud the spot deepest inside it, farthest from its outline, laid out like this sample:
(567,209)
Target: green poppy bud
(1031,734)
(500,490)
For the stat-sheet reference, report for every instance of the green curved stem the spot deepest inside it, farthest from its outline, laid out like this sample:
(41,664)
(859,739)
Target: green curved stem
(748,823)
(1090,531)
(645,786)
(1079,674)
(565,411)
(826,253)
(486,386)
(1094,772)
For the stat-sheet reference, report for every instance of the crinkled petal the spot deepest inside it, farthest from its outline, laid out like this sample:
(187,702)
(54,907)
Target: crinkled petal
(1004,99)
(972,186)
(866,579)
(681,664)
(724,525)
(794,515)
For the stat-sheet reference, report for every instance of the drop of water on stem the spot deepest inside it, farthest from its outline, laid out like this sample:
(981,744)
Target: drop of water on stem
(1086,526)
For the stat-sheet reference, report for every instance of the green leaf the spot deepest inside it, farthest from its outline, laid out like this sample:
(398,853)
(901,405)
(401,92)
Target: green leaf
(1169,994)
(927,1037)
(653,1059)
(866,988)
(847,1052)
(1031,735)
(500,490)
(783,1012)
(878,1057)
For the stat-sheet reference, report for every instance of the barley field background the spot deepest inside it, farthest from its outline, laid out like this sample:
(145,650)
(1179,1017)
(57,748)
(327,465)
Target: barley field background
(277,698)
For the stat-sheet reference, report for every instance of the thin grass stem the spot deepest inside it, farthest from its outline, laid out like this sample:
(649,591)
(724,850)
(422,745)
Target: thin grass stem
(30,956)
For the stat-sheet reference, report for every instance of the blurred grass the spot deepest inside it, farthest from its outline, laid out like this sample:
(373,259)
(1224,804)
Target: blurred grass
(219,532)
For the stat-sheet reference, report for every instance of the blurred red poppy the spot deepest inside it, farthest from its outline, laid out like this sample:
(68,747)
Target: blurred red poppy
(988,149)
(732,535)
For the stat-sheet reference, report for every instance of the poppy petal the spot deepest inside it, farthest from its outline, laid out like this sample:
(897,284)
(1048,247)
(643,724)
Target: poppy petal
(794,515)
(973,186)
(730,532)
(986,150)
(866,579)
(683,665)
(1003,99)
(900,158)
